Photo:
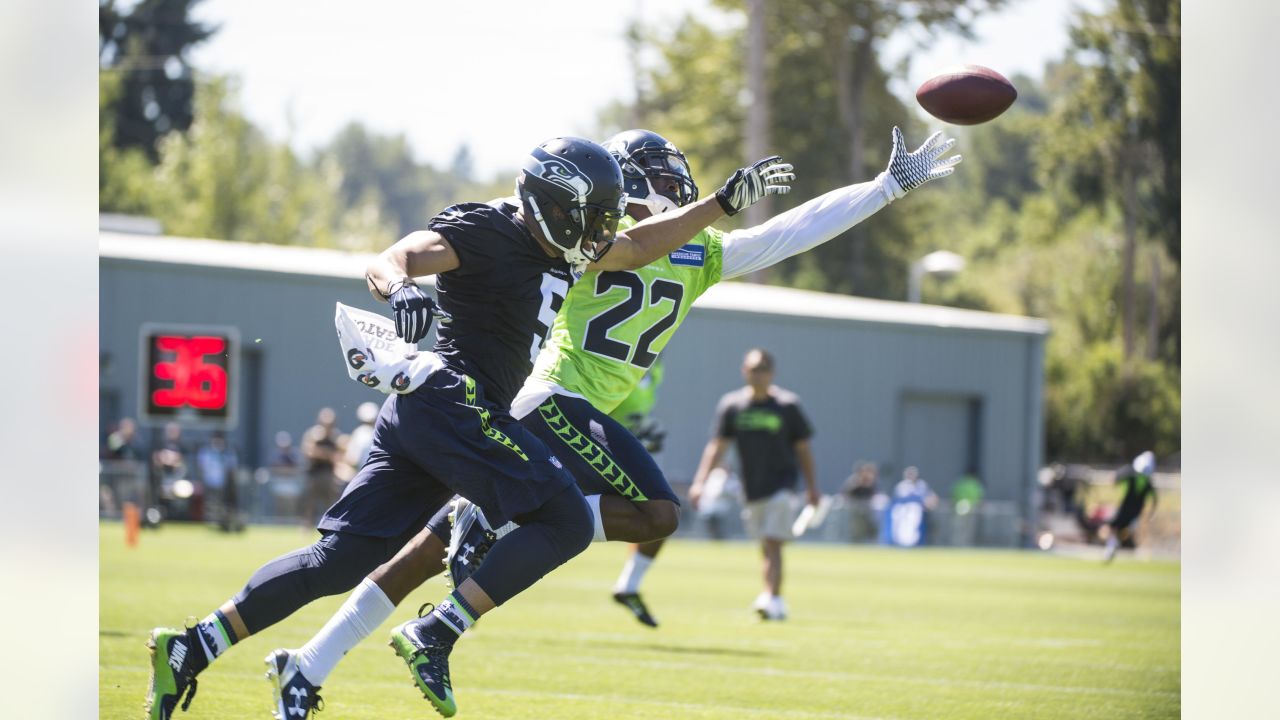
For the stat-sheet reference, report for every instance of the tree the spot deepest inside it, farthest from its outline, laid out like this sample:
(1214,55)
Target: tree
(1119,130)
(146,47)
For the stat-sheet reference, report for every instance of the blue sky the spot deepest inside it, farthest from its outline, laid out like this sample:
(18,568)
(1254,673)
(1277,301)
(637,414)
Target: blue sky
(501,76)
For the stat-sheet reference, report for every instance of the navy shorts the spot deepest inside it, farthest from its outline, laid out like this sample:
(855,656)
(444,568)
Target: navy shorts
(443,439)
(601,454)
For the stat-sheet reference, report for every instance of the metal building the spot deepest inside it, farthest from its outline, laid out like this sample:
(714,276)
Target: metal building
(946,390)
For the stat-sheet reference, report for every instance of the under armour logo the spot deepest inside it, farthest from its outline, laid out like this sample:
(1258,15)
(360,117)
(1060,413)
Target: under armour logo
(464,557)
(299,701)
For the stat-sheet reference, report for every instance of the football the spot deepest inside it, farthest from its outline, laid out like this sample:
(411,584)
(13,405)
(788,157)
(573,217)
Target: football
(971,95)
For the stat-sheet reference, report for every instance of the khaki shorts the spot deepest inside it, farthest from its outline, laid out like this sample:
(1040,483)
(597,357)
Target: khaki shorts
(770,518)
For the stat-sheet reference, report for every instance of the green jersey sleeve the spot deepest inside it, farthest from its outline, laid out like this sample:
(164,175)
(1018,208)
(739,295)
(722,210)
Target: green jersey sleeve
(613,325)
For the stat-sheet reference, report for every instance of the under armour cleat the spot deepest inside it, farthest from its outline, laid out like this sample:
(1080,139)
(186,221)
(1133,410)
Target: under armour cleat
(469,540)
(172,673)
(637,607)
(428,660)
(294,696)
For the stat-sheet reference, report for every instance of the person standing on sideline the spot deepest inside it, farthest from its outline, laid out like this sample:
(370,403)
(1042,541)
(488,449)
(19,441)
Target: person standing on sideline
(772,436)
(320,448)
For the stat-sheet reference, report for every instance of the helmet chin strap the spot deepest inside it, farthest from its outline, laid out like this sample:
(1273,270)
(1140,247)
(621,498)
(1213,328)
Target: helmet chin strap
(655,201)
(572,255)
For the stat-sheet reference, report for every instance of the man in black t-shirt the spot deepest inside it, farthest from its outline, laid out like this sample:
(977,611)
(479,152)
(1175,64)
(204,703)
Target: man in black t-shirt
(772,436)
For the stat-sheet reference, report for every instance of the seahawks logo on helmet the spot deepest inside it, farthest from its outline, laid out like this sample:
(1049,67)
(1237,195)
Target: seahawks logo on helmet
(561,173)
(370,380)
(357,357)
(400,382)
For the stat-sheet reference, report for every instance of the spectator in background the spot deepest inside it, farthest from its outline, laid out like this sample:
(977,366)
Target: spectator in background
(218,464)
(772,436)
(860,488)
(359,441)
(905,521)
(284,456)
(966,502)
(168,467)
(320,448)
(122,444)
(1138,486)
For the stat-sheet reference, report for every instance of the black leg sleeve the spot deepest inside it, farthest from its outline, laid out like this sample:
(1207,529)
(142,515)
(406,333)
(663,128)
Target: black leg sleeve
(335,564)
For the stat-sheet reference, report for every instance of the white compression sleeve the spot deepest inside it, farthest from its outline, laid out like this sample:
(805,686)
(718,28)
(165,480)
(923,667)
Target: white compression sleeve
(802,228)
(362,613)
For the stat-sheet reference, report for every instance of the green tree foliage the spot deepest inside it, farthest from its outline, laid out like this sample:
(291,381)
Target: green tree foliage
(224,178)
(146,46)
(124,174)
(382,171)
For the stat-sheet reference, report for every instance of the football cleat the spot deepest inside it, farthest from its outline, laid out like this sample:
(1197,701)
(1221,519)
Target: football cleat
(172,674)
(637,607)
(469,540)
(294,696)
(428,660)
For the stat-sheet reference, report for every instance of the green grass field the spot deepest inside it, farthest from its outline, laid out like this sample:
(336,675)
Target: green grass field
(874,633)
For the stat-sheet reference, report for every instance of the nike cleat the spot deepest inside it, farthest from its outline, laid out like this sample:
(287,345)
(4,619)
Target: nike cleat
(172,674)
(294,696)
(637,607)
(469,541)
(428,660)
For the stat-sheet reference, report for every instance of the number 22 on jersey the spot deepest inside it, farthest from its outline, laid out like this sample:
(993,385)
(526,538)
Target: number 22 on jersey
(657,305)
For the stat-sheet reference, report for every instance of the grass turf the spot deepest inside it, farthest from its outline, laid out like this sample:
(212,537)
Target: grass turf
(874,633)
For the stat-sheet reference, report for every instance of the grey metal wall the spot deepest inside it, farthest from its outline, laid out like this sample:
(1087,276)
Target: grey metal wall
(853,378)
(857,379)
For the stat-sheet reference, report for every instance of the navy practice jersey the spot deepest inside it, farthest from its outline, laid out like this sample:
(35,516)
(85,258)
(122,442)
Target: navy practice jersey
(502,296)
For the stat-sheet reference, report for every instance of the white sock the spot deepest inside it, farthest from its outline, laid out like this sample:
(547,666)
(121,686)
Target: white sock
(594,502)
(362,613)
(633,573)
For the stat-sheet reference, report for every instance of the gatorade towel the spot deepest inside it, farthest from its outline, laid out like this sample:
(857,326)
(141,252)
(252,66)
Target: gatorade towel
(376,357)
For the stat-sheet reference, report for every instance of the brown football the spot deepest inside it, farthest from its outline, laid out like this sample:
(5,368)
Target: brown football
(968,96)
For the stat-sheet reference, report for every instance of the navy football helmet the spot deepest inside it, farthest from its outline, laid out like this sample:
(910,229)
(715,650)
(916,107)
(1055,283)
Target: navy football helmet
(656,172)
(572,188)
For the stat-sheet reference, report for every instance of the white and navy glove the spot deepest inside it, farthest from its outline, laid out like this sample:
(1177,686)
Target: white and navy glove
(413,310)
(909,170)
(746,186)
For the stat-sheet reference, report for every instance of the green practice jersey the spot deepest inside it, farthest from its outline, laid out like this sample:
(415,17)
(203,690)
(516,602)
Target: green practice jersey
(642,398)
(612,325)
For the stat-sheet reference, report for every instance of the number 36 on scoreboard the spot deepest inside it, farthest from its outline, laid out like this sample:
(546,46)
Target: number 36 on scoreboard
(189,375)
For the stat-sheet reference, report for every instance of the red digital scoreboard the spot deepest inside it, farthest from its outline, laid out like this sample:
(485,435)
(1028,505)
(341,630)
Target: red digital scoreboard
(189,375)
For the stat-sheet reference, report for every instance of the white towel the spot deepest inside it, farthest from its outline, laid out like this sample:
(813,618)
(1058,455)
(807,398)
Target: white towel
(376,357)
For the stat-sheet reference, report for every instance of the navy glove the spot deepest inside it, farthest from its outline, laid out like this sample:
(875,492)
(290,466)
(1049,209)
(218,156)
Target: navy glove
(413,310)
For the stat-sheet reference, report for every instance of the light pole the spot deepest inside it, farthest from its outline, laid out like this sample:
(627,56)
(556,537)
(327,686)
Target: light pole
(942,263)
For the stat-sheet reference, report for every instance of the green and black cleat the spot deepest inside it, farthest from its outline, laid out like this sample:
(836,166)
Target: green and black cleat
(172,674)
(428,660)
(632,602)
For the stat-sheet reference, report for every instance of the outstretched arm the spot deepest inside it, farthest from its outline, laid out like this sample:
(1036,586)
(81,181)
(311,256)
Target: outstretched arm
(661,234)
(826,216)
